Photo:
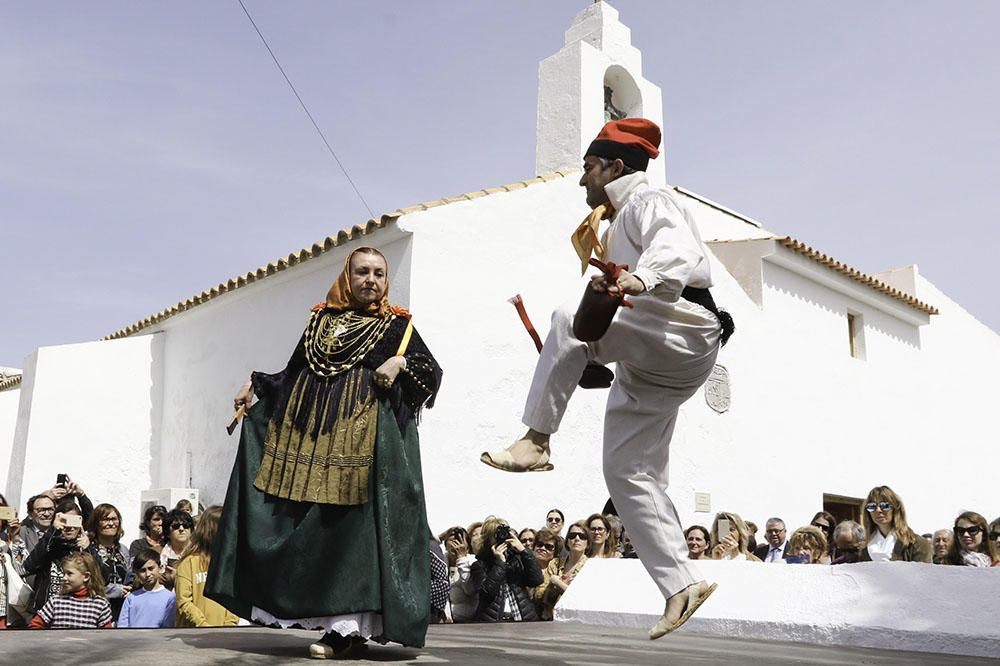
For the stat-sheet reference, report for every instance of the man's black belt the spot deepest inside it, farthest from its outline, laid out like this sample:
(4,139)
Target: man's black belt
(703,297)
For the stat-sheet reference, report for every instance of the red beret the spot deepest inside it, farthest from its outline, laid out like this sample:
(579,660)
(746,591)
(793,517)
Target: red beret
(632,140)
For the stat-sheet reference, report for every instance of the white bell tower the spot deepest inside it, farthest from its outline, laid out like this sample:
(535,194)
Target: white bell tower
(596,75)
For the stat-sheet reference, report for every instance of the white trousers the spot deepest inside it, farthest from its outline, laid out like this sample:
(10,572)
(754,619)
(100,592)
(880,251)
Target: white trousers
(664,352)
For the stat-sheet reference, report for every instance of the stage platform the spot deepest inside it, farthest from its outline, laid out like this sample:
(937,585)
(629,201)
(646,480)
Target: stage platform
(543,643)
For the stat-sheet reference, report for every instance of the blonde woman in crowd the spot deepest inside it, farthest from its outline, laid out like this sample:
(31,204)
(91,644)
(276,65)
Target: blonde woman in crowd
(562,570)
(889,535)
(972,546)
(732,545)
(475,531)
(194,609)
(503,572)
(809,545)
(603,542)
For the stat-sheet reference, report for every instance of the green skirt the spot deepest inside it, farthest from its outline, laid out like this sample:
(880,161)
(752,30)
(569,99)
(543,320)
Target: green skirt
(299,560)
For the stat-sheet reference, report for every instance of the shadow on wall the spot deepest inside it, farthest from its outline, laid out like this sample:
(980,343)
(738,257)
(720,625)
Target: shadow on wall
(837,304)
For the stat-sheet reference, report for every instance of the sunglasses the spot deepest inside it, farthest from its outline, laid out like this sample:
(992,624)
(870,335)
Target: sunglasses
(179,526)
(995,535)
(881,506)
(825,528)
(554,519)
(576,535)
(971,531)
(546,546)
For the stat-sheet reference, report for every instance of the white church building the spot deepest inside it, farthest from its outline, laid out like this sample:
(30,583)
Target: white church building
(835,381)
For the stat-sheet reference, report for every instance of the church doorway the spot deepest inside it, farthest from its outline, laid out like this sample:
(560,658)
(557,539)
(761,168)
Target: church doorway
(844,507)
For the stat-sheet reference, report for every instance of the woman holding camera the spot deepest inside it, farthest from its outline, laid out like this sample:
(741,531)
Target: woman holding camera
(502,572)
(66,536)
(463,596)
(730,539)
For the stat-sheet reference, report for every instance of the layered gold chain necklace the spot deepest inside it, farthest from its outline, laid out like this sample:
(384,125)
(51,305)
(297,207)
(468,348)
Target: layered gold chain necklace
(336,341)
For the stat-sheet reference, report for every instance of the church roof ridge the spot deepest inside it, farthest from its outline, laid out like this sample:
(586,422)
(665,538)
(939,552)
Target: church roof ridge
(319,248)
(717,206)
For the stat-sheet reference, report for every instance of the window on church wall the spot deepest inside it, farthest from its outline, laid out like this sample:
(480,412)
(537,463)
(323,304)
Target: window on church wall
(856,335)
(622,98)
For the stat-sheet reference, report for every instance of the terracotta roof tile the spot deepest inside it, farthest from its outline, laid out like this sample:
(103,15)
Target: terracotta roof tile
(10,382)
(855,274)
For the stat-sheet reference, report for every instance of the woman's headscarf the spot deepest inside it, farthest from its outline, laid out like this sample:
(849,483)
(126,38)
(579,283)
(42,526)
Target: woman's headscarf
(340,297)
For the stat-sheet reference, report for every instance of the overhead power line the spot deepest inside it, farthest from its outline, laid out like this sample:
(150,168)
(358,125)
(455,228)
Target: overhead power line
(306,109)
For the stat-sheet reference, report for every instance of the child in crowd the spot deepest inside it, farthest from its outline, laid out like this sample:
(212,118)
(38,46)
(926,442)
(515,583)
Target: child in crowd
(152,605)
(194,609)
(82,604)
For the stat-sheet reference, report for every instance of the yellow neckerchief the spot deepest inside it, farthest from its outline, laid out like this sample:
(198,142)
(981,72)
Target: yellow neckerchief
(585,238)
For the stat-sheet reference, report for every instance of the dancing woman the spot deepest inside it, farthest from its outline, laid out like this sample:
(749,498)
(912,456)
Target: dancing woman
(324,524)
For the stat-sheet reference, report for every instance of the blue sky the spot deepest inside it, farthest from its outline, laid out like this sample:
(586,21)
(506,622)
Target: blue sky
(151,150)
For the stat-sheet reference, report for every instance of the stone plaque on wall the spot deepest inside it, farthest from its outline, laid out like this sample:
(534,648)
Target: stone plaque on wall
(717,393)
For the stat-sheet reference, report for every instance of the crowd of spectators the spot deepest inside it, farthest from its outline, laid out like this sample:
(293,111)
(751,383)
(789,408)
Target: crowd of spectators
(65,565)
(494,570)
(885,535)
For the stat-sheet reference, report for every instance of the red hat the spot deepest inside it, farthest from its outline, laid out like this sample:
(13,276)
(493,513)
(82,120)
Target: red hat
(634,141)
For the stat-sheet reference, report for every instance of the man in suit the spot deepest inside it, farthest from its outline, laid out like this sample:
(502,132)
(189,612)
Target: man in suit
(776,548)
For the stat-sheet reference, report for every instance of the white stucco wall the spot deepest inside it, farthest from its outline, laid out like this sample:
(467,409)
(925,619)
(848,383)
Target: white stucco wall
(806,418)
(9,400)
(88,412)
(468,259)
(887,605)
(210,351)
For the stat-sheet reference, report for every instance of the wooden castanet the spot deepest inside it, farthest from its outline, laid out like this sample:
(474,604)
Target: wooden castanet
(597,308)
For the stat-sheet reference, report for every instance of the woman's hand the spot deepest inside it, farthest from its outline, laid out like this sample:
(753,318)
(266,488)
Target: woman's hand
(458,546)
(559,583)
(515,543)
(168,576)
(500,551)
(83,541)
(73,488)
(13,528)
(59,521)
(386,373)
(244,397)
(727,546)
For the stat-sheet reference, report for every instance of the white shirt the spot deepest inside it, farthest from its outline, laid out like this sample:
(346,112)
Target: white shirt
(656,236)
(880,547)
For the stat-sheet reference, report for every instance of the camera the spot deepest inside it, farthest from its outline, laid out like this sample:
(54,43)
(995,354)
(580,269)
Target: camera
(503,533)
